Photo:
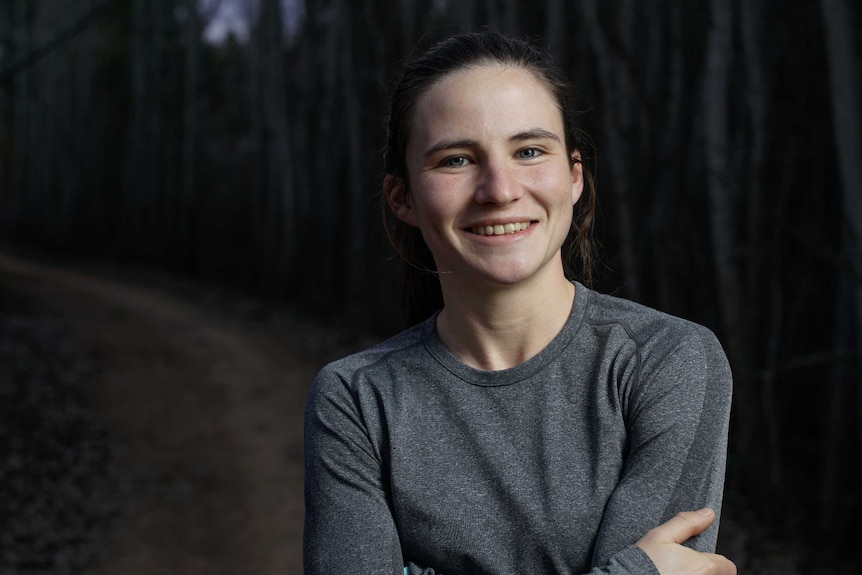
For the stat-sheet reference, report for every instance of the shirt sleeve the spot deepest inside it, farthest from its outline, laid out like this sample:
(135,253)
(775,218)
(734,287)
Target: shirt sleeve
(630,561)
(677,418)
(349,527)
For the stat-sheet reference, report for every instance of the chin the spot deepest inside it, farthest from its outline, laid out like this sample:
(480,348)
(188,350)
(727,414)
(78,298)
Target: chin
(508,278)
(506,272)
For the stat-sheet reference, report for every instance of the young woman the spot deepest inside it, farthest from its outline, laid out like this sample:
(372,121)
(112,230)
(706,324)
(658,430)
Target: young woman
(529,425)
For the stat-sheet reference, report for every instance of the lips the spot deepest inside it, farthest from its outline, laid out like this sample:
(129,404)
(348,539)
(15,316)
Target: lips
(500,229)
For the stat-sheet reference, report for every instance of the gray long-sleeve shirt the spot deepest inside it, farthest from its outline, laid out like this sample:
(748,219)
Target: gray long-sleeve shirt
(555,466)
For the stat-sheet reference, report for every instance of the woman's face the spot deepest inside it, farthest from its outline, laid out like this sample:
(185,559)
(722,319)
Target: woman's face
(490,185)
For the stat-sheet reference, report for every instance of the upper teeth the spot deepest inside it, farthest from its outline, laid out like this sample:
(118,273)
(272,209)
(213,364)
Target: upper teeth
(500,229)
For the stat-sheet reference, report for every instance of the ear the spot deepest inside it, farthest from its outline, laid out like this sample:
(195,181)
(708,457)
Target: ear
(396,194)
(577,176)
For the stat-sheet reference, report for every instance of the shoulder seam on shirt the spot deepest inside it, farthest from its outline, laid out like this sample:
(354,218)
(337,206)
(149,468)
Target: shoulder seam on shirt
(353,389)
(362,369)
(638,344)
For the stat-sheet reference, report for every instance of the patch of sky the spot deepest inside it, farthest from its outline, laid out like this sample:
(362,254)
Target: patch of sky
(235,17)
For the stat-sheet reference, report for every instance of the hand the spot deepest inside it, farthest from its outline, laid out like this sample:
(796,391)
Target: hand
(662,545)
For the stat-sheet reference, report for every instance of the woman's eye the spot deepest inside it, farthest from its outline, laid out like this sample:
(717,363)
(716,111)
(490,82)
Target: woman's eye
(455,162)
(529,153)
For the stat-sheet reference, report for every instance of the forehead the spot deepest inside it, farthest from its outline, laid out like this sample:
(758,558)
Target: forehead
(486,99)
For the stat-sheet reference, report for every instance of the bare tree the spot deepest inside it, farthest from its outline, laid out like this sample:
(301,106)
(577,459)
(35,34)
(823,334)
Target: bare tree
(143,168)
(616,121)
(842,54)
(6,50)
(24,89)
(269,107)
(326,61)
(500,14)
(669,142)
(723,208)
(555,28)
(847,119)
(462,13)
(7,113)
(350,91)
(763,266)
(188,213)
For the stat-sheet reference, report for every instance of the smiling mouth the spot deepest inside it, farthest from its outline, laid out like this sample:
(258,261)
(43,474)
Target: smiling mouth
(500,229)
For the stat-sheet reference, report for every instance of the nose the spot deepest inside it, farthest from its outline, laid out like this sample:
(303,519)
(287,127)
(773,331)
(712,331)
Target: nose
(498,184)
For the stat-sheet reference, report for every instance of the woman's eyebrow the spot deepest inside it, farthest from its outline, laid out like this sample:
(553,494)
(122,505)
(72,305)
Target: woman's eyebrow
(448,145)
(534,134)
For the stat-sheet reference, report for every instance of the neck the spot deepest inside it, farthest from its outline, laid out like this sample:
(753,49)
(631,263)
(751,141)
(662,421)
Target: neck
(498,328)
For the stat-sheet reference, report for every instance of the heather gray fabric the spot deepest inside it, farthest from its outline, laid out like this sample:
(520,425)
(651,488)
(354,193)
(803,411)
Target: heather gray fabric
(555,466)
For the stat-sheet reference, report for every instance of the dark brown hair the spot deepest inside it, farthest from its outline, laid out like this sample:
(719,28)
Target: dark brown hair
(420,288)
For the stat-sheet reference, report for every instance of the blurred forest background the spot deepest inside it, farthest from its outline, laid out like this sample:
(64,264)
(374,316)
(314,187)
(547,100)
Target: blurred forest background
(238,142)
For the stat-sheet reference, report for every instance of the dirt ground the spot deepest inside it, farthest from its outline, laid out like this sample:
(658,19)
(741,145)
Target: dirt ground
(207,411)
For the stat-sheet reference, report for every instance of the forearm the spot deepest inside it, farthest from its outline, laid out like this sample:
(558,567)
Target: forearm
(630,561)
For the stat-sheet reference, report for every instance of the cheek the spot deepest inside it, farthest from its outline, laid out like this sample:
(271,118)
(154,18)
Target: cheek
(556,187)
(437,197)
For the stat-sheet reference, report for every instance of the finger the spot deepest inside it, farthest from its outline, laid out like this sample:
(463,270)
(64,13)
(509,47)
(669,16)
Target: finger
(725,566)
(683,526)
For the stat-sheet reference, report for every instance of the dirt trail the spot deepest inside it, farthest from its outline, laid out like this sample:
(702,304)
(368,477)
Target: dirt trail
(209,416)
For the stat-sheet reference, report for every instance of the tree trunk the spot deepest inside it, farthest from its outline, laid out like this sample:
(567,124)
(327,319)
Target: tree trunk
(23,126)
(762,267)
(498,14)
(257,185)
(722,215)
(615,122)
(352,140)
(279,202)
(463,14)
(40,152)
(188,214)
(670,143)
(82,139)
(136,175)
(329,137)
(272,207)
(6,134)
(847,121)
(555,29)
(842,53)
(715,114)
(304,98)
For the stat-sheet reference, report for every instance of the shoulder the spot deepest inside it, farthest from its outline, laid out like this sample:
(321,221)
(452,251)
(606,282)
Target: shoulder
(659,339)
(671,357)
(647,327)
(344,371)
(349,395)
